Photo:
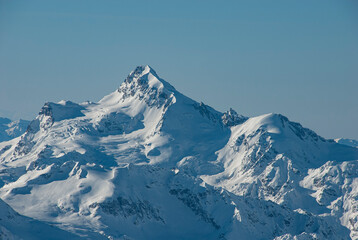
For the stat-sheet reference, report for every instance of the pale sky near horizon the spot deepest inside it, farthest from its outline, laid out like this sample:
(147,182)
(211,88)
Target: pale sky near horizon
(297,58)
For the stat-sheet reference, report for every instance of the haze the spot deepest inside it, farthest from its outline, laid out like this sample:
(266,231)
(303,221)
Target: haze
(297,58)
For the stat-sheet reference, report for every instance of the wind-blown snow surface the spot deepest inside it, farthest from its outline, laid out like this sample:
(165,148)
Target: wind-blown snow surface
(147,162)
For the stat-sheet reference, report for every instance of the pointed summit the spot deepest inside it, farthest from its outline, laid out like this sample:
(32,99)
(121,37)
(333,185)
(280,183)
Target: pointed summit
(144,83)
(145,76)
(139,72)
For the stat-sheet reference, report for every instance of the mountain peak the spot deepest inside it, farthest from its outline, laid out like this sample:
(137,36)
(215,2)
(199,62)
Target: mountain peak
(232,118)
(139,72)
(144,83)
(144,77)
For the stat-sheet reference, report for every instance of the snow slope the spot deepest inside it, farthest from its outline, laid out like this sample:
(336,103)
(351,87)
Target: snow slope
(147,162)
(15,226)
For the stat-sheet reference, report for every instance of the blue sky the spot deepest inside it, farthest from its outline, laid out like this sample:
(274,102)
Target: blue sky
(297,58)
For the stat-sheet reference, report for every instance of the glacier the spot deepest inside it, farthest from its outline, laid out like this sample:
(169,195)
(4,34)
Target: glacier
(147,162)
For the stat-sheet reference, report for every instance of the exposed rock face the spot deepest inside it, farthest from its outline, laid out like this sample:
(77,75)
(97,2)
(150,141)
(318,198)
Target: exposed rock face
(232,118)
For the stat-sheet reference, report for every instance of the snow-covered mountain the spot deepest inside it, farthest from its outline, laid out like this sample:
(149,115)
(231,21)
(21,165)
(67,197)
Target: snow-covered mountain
(12,129)
(147,162)
(346,141)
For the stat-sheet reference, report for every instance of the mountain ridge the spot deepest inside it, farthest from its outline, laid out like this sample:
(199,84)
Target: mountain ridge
(147,162)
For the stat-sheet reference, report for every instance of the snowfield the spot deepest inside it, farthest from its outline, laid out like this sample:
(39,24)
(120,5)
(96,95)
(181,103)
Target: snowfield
(147,162)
